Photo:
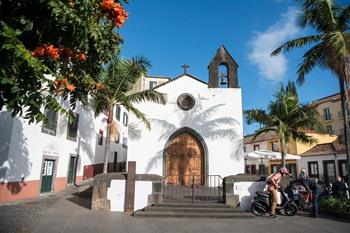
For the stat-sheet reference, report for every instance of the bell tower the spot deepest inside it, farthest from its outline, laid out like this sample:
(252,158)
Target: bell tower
(226,79)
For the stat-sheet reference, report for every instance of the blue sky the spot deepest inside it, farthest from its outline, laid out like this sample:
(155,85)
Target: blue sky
(171,33)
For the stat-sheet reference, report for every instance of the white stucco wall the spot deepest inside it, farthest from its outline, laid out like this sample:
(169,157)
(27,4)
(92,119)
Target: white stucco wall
(116,195)
(217,117)
(26,146)
(246,191)
(142,190)
(303,162)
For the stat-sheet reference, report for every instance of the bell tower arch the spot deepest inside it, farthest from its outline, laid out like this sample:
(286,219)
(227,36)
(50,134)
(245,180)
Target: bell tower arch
(218,79)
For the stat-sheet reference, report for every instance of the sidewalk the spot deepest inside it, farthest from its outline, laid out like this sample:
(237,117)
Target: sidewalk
(70,214)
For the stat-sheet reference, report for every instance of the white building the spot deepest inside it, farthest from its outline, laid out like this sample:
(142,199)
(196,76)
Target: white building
(325,161)
(43,158)
(198,132)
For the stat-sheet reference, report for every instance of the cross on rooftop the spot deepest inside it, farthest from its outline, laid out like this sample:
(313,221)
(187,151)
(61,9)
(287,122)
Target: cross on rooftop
(185,67)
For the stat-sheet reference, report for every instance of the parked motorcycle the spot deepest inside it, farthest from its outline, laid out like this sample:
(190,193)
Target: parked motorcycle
(261,204)
(297,194)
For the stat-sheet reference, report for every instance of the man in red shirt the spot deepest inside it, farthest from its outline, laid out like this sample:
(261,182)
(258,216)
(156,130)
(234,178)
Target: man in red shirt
(273,184)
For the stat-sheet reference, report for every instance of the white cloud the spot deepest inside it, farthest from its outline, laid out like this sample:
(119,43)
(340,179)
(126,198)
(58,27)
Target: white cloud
(263,43)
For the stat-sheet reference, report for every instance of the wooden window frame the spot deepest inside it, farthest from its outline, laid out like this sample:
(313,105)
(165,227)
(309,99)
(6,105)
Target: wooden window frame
(100,137)
(309,163)
(125,119)
(50,127)
(75,125)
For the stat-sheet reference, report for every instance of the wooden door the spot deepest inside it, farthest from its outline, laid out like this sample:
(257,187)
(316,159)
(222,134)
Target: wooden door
(72,170)
(342,168)
(329,171)
(184,160)
(47,175)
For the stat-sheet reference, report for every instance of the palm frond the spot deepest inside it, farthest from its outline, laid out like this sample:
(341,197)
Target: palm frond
(100,104)
(122,74)
(129,106)
(320,15)
(344,18)
(337,42)
(291,88)
(313,57)
(296,43)
(264,130)
(147,95)
(303,137)
(129,71)
(256,116)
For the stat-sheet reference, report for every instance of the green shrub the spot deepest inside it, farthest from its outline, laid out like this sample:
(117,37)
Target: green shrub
(339,205)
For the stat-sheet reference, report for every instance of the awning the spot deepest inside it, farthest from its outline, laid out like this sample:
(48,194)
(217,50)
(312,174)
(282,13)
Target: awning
(268,154)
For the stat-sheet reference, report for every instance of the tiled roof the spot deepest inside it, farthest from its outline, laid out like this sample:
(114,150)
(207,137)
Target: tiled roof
(325,149)
(262,137)
(330,98)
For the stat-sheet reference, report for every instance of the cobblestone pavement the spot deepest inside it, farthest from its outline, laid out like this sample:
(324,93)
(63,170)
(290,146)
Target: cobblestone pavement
(69,213)
(19,217)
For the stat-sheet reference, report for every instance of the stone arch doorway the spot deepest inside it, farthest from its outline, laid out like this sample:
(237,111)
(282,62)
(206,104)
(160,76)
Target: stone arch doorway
(185,158)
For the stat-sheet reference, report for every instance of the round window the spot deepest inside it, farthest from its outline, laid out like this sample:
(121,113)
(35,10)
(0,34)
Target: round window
(186,102)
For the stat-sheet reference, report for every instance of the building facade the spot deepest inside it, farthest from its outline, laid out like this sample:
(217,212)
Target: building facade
(325,161)
(197,132)
(147,82)
(42,158)
(270,141)
(331,114)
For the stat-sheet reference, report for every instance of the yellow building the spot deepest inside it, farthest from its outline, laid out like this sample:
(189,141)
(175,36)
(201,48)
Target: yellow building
(270,141)
(331,115)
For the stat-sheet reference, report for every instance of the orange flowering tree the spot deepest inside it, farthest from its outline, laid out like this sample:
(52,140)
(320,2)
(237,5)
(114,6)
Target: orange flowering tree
(53,48)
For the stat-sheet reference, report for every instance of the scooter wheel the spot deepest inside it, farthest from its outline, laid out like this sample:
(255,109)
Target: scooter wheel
(256,210)
(291,209)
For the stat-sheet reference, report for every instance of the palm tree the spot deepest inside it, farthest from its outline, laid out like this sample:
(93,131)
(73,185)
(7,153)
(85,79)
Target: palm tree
(331,48)
(116,89)
(286,117)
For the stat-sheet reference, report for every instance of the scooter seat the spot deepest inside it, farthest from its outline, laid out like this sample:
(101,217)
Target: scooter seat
(264,194)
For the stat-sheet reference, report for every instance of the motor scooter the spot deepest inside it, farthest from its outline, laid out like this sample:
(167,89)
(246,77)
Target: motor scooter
(261,204)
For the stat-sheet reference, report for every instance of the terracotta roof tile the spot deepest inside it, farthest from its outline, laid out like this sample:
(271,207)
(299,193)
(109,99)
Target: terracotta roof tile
(325,149)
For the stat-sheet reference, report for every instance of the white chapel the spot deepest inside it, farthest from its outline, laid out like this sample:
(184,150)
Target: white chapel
(198,133)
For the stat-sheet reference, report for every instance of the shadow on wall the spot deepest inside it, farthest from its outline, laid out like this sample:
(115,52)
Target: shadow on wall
(200,120)
(86,134)
(134,133)
(17,167)
(246,200)
(86,129)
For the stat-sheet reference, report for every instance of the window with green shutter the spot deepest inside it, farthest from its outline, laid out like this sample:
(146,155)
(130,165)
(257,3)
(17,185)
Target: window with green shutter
(72,129)
(117,112)
(50,125)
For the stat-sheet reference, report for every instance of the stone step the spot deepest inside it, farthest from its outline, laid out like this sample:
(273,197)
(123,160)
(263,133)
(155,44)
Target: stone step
(85,191)
(189,204)
(192,209)
(192,215)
